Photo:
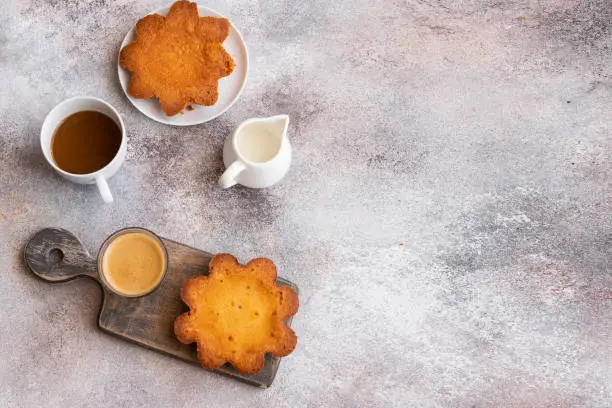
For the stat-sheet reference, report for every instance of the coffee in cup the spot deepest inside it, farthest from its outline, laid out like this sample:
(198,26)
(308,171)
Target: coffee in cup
(132,262)
(84,140)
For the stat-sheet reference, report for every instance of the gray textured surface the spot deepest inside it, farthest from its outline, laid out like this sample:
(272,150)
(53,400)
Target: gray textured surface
(447,216)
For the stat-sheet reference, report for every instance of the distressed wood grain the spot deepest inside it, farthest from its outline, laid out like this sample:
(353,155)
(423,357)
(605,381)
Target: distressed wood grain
(56,255)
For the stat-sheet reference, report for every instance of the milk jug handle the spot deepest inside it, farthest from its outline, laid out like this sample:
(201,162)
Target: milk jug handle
(228,178)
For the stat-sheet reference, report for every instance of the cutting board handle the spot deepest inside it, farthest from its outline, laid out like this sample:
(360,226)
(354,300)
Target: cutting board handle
(56,255)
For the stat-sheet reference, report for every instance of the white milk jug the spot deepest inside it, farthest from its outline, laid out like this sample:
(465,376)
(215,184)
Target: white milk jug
(258,153)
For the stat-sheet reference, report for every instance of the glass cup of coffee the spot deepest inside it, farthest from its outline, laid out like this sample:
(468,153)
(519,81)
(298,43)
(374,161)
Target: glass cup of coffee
(132,262)
(84,140)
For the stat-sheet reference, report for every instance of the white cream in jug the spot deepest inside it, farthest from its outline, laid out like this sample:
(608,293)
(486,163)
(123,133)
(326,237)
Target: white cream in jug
(258,142)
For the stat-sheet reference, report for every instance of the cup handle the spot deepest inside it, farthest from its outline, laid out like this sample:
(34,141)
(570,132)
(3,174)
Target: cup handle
(228,178)
(104,190)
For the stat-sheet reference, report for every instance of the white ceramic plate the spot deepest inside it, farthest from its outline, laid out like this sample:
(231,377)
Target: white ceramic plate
(230,87)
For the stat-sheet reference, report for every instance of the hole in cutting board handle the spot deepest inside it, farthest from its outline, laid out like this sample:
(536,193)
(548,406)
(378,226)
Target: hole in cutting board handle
(55,256)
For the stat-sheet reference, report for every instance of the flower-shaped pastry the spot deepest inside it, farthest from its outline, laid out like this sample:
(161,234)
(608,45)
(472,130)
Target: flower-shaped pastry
(237,314)
(178,59)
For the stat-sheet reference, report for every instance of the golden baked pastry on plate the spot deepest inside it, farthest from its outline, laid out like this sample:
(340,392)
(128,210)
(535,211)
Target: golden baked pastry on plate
(178,59)
(237,314)
(190,58)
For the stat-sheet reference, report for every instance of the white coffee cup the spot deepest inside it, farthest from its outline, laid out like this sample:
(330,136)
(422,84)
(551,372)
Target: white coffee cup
(61,112)
(258,153)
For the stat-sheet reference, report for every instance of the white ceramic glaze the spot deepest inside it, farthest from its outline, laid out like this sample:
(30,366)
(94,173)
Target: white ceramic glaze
(240,170)
(61,112)
(230,87)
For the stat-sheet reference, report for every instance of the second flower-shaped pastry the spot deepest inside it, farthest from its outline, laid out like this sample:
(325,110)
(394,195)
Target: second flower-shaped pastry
(178,59)
(237,314)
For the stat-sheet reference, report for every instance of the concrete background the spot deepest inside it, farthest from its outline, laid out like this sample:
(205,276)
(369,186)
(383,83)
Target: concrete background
(447,215)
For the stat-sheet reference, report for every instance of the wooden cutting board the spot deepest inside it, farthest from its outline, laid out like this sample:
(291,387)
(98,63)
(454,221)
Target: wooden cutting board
(56,255)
